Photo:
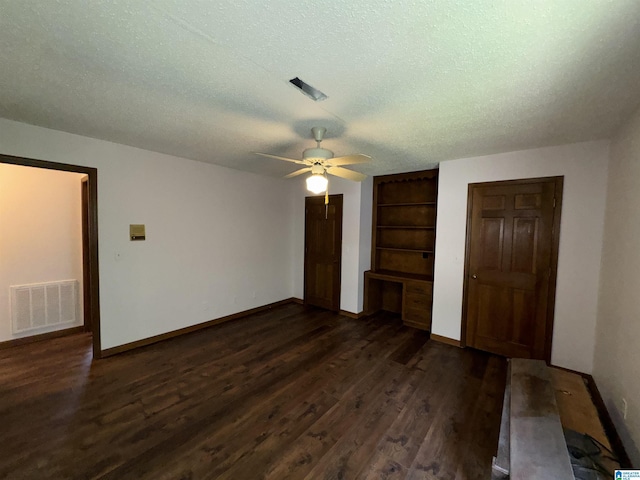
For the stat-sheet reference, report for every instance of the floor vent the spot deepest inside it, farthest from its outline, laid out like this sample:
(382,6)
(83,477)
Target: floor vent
(42,305)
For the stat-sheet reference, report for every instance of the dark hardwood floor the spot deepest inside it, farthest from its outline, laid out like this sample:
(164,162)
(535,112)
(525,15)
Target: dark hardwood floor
(285,394)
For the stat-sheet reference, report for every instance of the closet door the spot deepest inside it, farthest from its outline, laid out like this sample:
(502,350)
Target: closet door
(323,252)
(510,281)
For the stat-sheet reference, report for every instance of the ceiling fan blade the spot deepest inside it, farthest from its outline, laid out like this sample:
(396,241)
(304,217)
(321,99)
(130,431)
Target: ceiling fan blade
(349,160)
(292,160)
(346,173)
(298,172)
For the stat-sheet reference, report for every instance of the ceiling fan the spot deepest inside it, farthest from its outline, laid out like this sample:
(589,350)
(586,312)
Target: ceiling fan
(320,162)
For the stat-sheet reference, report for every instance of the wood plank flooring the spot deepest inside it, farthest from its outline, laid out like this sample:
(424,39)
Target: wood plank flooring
(290,393)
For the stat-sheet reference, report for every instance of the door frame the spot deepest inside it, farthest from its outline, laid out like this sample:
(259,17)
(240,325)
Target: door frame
(555,242)
(86,262)
(337,287)
(92,207)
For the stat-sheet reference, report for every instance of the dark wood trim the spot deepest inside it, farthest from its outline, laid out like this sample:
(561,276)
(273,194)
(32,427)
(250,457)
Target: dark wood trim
(446,340)
(374,230)
(344,313)
(32,162)
(193,328)
(583,375)
(555,246)
(607,423)
(94,290)
(467,252)
(355,316)
(401,177)
(86,258)
(555,243)
(40,337)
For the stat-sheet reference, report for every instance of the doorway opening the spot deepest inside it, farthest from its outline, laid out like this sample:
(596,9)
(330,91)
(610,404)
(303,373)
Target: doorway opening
(90,291)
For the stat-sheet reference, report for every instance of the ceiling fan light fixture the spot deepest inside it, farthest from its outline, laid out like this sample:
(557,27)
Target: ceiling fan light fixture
(321,162)
(317,183)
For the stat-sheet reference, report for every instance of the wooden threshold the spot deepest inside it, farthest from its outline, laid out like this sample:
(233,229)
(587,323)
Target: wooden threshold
(193,328)
(42,336)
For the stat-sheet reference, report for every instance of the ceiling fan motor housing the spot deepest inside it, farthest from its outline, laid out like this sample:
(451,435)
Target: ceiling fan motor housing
(319,154)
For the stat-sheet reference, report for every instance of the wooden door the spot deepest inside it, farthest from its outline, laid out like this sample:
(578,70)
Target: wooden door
(511,258)
(323,252)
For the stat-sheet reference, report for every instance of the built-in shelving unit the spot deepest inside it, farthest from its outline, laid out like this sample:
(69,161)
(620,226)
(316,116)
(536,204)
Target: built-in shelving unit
(403,246)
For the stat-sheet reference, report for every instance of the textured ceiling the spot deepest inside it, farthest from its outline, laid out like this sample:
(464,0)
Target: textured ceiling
(409,82)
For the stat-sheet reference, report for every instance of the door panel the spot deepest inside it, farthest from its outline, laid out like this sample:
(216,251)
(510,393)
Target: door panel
(323,252)
(491,238)
(511,242)
(493,202)
(524,250)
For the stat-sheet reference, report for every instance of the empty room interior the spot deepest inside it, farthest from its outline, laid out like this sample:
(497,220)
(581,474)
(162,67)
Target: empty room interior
(302,240)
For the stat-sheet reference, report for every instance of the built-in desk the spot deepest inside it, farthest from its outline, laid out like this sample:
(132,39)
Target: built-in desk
(406,294)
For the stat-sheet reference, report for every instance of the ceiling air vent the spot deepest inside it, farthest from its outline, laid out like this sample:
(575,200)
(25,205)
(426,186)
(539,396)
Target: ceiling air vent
(308,90)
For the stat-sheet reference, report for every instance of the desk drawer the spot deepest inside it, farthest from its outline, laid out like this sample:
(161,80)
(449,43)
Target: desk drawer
(419,288)
(418,302)
(417,314)
(417,318)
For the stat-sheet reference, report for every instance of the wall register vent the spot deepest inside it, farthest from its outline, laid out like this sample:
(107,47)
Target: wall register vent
(42,305)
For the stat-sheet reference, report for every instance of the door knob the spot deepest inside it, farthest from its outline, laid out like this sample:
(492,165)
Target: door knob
(474,276)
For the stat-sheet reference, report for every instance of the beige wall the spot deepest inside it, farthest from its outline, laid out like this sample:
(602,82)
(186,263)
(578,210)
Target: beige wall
(40,234)
(584,167)
(218,240)
(617,353)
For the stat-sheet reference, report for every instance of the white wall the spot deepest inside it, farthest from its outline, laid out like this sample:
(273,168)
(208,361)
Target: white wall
(40,235)
(617,355)
(584,167)
(366,219)
(218,240)
(353,239)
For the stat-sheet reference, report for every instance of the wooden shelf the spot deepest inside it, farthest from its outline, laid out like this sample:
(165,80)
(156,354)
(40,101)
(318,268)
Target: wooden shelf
(402,246)
(407,227)
(391,275)
(412,204)
(414,250)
